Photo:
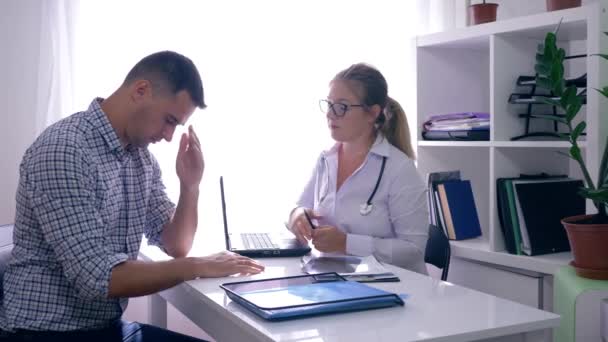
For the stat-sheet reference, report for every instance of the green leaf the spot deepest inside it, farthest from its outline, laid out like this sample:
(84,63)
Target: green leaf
(540,48)
(557,73)
(568,96)
(550,52)
(543,59)
(596,195)
(604,56)
(564,136)
(561,54)
(542,69)
(603,91)
(548,100)
(575,152)
(550,39)
(574,108)
(578,130)
(543,82)
(558,87)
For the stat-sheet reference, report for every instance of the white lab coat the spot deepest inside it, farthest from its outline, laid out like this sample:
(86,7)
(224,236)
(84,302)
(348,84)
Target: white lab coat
(396,230)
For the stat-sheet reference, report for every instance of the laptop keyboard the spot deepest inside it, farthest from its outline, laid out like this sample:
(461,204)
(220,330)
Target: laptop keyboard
(258,241)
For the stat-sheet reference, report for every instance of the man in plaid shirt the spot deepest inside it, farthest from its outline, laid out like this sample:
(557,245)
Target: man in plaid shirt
(89,189)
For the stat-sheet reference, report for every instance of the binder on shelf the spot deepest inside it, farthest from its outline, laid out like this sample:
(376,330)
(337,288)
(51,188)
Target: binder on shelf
(542,204)
(466,135)
(433,179)
(511,228)
(307,295)
(459,210)
(446,215)
(507,209)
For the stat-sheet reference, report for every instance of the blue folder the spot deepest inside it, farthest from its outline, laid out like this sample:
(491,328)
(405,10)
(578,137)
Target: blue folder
(307,295)
(462,209)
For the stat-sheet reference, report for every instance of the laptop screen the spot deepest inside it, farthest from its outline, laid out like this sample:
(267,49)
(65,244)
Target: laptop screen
(225,219)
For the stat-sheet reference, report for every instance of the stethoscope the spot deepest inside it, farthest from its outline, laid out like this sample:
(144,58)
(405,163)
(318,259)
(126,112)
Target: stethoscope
(367,207)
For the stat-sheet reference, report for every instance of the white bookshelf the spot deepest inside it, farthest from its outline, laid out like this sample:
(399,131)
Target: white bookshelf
(474,69)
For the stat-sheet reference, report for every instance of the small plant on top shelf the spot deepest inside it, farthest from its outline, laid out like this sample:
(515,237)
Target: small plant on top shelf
(482,13)
(589,250)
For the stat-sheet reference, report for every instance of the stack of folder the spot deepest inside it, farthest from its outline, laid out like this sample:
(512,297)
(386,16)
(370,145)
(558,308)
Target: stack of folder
(284,298)
(457,126)
(530,209)
(452,205)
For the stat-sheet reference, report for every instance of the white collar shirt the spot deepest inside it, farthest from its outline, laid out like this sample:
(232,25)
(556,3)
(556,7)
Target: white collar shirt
(396,230)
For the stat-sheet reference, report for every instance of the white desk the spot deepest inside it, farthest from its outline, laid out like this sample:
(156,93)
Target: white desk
(436,311)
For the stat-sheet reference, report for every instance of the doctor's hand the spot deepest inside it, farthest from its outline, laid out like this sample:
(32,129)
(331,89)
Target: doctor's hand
(190,163)
(221,264)
(329,240)
(299,225)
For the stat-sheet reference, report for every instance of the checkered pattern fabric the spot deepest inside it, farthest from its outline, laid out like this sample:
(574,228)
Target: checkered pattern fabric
(83,204)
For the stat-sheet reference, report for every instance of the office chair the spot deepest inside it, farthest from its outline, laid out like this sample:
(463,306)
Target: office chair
(437,250)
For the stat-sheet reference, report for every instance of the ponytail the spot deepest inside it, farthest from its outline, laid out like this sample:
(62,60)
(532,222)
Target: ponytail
(392,123)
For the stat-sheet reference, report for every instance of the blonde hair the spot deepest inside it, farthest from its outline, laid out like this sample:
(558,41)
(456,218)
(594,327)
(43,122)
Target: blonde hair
(395,129)
(392,122)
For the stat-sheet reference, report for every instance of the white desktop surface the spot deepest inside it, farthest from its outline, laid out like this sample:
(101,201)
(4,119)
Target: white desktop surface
(435,311)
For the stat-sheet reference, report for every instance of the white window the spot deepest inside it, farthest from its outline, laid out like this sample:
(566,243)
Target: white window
(264,64)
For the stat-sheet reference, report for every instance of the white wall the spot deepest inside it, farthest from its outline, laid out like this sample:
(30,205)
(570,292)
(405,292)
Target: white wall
(19,37)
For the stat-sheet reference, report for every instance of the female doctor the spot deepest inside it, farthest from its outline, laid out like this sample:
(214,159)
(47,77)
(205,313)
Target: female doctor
(365,192)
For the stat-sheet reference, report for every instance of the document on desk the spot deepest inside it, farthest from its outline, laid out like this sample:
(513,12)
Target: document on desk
(361,269)
(308,295)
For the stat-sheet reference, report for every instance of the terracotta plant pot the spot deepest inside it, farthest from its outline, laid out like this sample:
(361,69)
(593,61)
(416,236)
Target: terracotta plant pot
(589,245)
(556,5)
(482,13)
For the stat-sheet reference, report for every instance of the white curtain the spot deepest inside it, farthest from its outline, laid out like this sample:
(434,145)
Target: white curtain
(55,86)
(265,64)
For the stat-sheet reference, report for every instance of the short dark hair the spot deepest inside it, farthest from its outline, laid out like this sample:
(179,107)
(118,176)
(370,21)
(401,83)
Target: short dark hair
(172,71)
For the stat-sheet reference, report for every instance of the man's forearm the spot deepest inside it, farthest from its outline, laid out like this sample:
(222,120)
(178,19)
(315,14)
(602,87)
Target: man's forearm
(177,235)
(136,278)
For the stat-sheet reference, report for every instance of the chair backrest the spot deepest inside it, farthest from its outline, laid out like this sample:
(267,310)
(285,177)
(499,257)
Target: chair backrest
(437,251)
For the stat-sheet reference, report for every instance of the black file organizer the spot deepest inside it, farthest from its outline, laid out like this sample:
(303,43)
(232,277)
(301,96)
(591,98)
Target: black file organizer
(528,98)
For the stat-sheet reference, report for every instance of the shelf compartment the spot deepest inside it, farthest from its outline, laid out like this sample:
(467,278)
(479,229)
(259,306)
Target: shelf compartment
(472,161)
(573,27)
(479,251)
(505,144)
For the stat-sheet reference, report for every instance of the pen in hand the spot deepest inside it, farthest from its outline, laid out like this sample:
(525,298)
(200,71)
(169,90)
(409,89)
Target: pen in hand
(309,220)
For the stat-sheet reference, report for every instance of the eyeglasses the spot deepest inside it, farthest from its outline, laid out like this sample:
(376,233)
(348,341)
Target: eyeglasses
(338,109)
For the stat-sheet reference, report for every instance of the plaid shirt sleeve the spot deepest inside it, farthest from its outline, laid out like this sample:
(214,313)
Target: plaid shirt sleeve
(160,208)
(62,189)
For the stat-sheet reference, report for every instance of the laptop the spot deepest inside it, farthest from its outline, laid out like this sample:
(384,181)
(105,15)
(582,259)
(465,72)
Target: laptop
(260,245)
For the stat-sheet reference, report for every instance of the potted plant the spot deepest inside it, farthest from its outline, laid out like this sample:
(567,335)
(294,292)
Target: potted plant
(482,13)
(556,5)
(587,234)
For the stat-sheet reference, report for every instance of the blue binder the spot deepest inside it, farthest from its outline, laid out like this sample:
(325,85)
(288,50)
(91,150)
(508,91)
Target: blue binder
(307,295)
(462,209)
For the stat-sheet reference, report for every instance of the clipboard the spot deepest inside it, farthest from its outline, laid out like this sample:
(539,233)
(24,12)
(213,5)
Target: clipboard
(292,297)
